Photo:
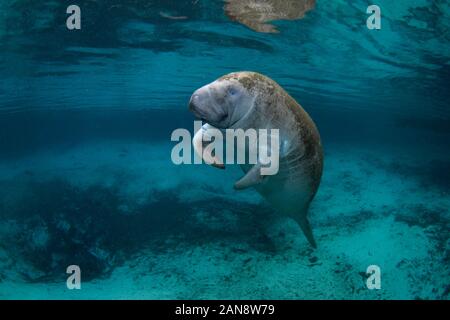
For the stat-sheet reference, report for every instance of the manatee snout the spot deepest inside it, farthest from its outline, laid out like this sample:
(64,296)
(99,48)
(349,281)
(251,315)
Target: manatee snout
(198,104)
(203,105)
(194,104)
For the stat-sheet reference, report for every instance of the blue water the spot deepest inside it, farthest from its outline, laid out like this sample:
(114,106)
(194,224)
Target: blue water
(86,176)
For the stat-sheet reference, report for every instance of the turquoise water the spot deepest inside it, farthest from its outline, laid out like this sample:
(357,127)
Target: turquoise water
(86,176)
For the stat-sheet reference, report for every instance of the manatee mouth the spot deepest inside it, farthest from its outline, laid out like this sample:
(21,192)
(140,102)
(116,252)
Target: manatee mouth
(193,108)
(196,110)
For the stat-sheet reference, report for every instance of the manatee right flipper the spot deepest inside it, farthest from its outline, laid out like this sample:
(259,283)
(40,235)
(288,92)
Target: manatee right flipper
(251,178)
(303,222)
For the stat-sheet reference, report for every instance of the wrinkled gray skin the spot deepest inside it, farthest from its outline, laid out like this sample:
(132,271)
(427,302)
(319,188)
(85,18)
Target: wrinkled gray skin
(256,14)
(250,100)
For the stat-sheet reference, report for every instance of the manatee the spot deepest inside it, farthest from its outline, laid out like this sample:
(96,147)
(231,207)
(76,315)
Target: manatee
(256,13)
(245,100)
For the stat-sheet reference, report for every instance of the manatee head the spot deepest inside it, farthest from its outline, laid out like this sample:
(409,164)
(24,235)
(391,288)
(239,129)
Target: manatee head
(227,100)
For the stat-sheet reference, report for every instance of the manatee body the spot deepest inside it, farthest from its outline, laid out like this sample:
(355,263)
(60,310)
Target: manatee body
(257,14)
(249,100)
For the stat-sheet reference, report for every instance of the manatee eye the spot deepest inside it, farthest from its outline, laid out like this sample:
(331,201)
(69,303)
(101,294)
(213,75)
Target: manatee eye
(232,91)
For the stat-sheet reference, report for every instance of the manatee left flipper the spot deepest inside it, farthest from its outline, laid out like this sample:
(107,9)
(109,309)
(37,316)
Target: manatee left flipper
(251,178)
(199,143)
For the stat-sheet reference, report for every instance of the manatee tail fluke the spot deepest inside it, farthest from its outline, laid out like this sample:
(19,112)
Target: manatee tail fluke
(303,222)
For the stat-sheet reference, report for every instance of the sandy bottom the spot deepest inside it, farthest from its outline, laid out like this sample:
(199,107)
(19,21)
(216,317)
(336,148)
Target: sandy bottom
(206,241)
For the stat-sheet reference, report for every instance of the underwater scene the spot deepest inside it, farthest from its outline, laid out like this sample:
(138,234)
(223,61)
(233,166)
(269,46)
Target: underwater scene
(93,205)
